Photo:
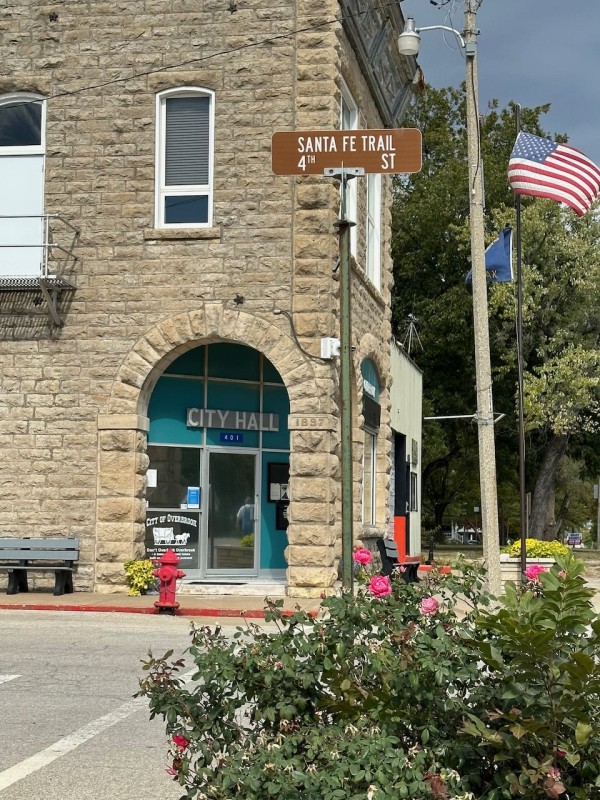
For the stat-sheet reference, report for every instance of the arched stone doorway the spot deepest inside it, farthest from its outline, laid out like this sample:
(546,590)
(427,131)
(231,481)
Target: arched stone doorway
(123,431)
(218,473)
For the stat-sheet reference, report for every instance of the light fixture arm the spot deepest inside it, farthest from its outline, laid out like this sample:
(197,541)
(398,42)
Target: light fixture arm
(444,28)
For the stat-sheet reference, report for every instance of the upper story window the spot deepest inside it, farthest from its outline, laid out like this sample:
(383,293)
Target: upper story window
(373,255)
(349,122)
(21,124)
(184,162)
(22,149)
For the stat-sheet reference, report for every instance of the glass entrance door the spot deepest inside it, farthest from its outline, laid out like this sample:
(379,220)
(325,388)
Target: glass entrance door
(232,512)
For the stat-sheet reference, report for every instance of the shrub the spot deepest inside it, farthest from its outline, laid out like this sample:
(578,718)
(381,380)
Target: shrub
(139,574)
(247,541)
(537,548)
(403,691)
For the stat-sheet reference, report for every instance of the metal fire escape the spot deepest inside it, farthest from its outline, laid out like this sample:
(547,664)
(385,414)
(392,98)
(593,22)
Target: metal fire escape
(49,259)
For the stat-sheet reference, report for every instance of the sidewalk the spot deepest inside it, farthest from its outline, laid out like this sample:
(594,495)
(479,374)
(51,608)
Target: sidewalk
(230,606)
(216,607)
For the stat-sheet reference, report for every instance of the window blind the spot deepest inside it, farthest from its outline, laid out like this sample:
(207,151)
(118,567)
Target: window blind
(187,141)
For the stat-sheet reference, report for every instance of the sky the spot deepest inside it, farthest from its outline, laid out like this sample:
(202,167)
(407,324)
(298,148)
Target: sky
(519,58)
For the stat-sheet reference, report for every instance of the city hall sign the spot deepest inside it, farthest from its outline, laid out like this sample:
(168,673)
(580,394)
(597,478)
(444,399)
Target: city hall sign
(233,420)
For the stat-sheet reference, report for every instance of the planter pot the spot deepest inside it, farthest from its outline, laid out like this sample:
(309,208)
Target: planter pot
(510,568)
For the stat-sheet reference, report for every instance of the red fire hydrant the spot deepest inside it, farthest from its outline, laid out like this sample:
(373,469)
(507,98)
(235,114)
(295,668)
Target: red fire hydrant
(167,575)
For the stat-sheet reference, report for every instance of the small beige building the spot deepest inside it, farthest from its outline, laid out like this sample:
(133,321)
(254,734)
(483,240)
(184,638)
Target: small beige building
(164,297)
(406,421)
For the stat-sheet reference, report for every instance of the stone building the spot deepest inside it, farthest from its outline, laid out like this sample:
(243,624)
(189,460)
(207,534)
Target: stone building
(163,295)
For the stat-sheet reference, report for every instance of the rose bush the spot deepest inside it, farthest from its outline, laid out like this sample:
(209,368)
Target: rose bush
(426,691)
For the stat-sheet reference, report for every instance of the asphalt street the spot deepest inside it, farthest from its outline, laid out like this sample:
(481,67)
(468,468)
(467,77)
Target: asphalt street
(69,728)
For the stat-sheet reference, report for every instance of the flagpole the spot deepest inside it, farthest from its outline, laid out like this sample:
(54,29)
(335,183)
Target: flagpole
(520,370)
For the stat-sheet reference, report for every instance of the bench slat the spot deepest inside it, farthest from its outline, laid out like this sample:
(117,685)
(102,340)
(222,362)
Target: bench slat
(39,567)
(39,544)
(39,555)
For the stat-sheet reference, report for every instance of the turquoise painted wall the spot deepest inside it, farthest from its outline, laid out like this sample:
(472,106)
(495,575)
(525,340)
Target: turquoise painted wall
(272,541)
(229,375)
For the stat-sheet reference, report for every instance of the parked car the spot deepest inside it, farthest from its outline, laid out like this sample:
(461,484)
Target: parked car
(574,539)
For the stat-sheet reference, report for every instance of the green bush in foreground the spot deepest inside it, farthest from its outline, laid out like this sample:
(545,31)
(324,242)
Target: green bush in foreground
(139,574)
(394,694)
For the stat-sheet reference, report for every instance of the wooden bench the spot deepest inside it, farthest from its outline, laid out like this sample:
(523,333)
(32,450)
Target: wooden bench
(20,556)
(390,561)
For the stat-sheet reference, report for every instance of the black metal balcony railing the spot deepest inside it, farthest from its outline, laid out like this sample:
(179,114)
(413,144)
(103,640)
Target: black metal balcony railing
(27,249)
(37,251)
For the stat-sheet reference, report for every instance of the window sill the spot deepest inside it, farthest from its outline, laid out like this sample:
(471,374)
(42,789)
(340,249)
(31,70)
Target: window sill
(170,234)
(372,532)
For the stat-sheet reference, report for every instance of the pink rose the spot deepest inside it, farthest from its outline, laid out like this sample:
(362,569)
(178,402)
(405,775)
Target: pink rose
(362,556)
(180,741)
(533,570)
(380,586)
(554,773)
(429,605)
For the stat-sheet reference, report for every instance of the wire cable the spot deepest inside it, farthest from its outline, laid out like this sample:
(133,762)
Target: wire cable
(201,59)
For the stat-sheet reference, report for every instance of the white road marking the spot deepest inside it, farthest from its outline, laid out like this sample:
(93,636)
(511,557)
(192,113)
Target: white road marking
(73,740)
(7,678)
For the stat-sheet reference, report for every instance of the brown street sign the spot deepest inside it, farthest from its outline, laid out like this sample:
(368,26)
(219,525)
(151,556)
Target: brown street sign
(311,152)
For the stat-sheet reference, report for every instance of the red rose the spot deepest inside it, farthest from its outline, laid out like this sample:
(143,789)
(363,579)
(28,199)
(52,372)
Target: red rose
(180,741)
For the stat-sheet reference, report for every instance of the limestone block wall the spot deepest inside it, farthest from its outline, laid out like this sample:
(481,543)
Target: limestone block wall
(73,400)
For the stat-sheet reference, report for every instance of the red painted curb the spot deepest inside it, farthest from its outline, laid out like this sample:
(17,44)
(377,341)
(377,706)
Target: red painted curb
(252,613)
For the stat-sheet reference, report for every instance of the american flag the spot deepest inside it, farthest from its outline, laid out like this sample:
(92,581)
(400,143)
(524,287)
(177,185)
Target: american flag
(543,168)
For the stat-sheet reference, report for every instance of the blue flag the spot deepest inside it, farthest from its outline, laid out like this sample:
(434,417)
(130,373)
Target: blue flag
(498,259)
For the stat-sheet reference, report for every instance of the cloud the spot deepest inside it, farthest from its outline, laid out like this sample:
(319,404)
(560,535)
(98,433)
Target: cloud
(528,53)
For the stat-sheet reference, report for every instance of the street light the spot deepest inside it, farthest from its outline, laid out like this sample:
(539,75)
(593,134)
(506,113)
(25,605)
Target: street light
(409,40)
(408,45)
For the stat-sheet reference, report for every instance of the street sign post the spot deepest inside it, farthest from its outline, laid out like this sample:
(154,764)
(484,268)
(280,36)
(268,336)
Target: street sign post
(344,155)
(376,151)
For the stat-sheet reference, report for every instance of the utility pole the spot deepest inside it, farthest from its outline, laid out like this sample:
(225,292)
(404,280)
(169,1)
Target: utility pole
(483,369)
(343,226)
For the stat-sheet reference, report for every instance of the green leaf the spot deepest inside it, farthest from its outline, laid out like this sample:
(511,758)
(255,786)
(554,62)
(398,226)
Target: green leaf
(583,733)
(518,731)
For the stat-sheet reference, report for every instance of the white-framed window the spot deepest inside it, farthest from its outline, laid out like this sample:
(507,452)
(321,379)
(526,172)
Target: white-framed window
(369,475)
(184,157)
(349,122)
(22,159)
(373,255)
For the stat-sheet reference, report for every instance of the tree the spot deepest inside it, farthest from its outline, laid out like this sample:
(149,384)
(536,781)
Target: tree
(431,248)
(561,321)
